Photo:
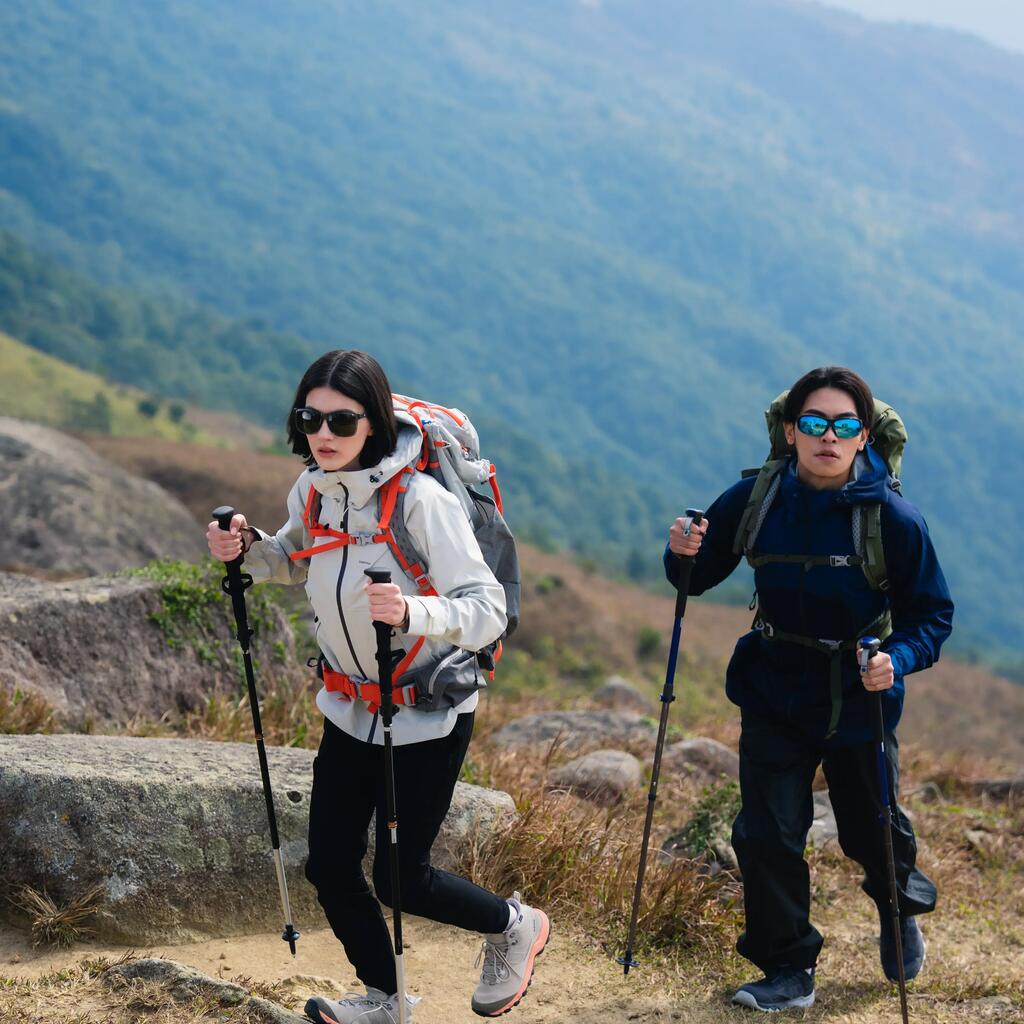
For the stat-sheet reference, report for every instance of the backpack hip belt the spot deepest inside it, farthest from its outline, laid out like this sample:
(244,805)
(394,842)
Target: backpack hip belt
(362,689)
(834,649)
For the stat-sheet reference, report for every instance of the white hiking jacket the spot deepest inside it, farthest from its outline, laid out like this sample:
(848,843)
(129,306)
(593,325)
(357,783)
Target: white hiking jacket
(469,611)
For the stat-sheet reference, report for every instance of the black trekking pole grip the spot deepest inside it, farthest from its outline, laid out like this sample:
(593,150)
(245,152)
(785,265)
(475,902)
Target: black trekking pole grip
(686,566)
(235,584)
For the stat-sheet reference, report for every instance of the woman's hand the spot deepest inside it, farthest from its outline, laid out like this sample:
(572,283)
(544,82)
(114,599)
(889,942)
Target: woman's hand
(387,604)
(879,674)
(683,542)
(226,545)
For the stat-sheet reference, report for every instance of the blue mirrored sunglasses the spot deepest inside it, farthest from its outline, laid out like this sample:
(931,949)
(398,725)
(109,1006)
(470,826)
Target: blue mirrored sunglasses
(844,427)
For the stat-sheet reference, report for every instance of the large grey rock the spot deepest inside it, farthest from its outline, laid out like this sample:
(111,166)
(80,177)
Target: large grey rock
(824,829)
(65,508)
(604,776)
(578,730)
(93,650)
(186,985)
(622,695)
(702,757)
(174,831)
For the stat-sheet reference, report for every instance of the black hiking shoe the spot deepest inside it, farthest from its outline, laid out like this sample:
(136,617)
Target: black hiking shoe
(788,988)
(913,946)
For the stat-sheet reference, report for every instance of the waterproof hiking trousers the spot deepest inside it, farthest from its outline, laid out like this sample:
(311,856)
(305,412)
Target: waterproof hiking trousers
(777,767)
(348,785)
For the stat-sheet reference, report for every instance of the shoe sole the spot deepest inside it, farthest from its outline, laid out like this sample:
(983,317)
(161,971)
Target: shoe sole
(535,951)
(746,999)
(317,1012)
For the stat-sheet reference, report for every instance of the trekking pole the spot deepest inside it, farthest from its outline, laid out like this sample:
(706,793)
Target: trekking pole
(384,665)
(866,650)
(235,584)
(667,696)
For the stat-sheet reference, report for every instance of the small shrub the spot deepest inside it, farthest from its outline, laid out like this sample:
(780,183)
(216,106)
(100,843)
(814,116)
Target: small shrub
(24,713)
(648,643)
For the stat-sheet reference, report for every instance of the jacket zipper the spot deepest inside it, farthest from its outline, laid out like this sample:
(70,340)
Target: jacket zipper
(341,580)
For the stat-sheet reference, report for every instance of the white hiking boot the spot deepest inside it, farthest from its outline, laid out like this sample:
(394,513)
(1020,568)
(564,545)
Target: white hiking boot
(508,958)
(375,1007)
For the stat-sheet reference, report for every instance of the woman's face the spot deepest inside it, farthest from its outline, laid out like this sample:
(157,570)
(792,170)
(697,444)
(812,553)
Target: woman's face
(824,462)
(330,451)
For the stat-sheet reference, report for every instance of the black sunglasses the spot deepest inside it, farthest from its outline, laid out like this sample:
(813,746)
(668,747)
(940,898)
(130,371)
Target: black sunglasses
(844,427)
(342,423)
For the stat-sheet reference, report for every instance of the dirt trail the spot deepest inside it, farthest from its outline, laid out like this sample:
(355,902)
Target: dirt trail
(574,982)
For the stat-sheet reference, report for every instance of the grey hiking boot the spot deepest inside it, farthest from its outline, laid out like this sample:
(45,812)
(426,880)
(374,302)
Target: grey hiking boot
(376,1007)
(789,988)
(508,958)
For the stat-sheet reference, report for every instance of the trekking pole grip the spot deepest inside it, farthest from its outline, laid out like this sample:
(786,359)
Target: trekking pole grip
(686,566)
(224,514)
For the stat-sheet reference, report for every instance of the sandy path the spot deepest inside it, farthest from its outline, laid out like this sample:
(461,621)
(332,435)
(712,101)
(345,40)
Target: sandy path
(576,983)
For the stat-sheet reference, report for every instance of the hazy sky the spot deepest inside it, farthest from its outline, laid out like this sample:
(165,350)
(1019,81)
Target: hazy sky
(999,21)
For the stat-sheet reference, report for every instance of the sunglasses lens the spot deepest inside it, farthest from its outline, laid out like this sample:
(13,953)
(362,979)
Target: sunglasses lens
(308,420)
(814,426)
(343,423)
(847,428)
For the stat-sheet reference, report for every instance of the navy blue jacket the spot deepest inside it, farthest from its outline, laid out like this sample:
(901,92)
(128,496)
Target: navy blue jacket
(790,681)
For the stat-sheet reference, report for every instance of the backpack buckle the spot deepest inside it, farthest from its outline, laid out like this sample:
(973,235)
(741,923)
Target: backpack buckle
(361,539)
(832,645)
(838,561)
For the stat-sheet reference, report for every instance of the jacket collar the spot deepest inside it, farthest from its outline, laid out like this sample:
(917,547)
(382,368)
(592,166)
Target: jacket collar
(360,485)
(868,482)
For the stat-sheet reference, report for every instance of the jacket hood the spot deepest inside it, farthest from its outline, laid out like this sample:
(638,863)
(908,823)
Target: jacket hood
(360,485)
(868,484)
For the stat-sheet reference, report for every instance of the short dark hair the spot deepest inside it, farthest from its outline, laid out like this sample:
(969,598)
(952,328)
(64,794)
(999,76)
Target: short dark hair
(838,377)
(358,375)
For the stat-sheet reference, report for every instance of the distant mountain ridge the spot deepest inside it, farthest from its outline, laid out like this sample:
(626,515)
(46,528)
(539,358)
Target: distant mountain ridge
(632,222)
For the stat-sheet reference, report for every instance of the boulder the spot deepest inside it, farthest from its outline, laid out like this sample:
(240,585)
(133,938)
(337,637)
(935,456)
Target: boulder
(823,829)
(604,776)
(578,730)
(622,695)
(999,789)
(109,649)
(187,985)
(175,832)
(66,509)
(701,757)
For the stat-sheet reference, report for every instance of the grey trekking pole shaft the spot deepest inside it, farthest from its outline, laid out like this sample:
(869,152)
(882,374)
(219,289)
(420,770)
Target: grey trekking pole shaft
(384,665)
(866,650)
(235,585)
(667,696)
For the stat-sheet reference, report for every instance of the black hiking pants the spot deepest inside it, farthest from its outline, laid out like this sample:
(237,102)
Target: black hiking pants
(348,785)
(777,767)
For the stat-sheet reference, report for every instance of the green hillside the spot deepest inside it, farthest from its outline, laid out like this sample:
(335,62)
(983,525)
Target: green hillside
(629,223)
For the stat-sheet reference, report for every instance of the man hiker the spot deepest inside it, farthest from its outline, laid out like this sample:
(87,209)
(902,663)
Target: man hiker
(838,554)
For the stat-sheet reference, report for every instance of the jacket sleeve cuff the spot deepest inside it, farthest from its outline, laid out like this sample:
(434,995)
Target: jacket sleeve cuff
(419,618)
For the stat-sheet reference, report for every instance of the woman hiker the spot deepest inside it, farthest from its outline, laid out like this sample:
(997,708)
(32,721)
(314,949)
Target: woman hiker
(344,426)
(796,680)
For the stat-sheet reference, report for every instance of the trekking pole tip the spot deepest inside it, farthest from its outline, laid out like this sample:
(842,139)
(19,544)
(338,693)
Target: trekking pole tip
(627,961)
(291,936)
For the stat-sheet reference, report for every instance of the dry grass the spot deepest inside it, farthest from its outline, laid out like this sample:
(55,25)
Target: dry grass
(57,924)
(23,713)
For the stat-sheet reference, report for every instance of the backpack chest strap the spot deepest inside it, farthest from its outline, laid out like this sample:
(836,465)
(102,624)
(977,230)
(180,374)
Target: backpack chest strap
(807,561)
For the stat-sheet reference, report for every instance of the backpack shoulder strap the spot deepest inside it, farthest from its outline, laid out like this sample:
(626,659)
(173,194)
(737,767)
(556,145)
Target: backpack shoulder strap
(867,540)
(762,494)
(391,505)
